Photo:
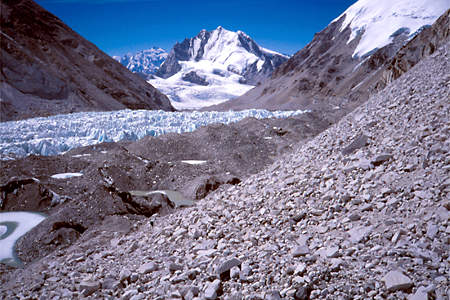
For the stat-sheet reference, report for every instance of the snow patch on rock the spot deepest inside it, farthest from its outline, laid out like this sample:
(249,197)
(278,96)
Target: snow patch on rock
(66,175)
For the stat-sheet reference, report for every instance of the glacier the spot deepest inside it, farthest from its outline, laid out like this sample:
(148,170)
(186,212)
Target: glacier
(58,134)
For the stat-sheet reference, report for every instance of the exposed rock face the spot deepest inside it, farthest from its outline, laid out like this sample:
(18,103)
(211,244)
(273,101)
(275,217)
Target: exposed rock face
(194,78)
(424,44)
(235,49)
(49,69)
(326,73)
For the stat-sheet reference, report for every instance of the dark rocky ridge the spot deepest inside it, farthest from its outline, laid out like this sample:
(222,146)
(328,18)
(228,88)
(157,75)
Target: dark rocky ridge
(184,51)
(49,69)
(324,73)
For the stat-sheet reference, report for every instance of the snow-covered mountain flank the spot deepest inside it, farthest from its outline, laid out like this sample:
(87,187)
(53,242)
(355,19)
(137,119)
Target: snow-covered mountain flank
(377,23)
(145,62)
(340,67)
(213,67)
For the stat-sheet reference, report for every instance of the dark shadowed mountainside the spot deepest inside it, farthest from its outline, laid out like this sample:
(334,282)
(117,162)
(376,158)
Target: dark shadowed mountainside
(47,69)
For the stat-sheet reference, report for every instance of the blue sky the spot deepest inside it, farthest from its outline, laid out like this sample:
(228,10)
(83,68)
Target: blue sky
(121,26)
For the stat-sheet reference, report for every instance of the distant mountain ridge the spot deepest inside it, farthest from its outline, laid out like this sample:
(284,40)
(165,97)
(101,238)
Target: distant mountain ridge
(48,69)
(145,62)
(343,63)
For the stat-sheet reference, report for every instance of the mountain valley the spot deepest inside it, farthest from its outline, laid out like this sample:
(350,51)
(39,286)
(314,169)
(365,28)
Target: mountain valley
(344,197)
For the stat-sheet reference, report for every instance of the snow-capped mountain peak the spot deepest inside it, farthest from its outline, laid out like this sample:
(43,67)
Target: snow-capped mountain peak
(214,66)
(235,50)
(144,62)
(378,22)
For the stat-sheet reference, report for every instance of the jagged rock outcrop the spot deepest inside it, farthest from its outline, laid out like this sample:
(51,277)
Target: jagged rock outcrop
(194,78)
(49,69)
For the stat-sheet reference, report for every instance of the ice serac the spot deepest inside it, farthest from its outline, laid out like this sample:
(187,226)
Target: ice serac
(145,63)
(48,69)
(213,67)
(57,134)
(343,63)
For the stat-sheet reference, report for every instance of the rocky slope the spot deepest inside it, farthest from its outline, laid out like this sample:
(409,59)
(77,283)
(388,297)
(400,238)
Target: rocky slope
(192,164)
(145,62)
(343,63)
(361,211)
(49,69)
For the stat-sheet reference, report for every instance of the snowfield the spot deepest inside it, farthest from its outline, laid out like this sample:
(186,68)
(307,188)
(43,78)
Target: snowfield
(223,85)
(58,134)
(378,21)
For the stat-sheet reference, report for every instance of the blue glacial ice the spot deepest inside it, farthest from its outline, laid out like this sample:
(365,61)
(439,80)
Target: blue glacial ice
(57,134)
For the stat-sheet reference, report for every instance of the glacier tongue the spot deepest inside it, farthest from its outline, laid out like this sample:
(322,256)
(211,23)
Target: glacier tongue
(57,134)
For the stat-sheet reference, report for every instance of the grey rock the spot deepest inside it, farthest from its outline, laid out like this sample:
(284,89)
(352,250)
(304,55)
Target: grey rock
(224,269)
(300,251)
(129,294)
(357,234)
(212,290)
(273,295)
(300,269)
(235,272)
(354,217)
(110,284)
(147,268)
(194,78)
(425,195)
(358,142)
(332,252)
(190,291)
(396,280)
(302,293)
(138,297)
(89,287)
(420,294)
(381,158)
(124,275)
(174,267)
(432,231)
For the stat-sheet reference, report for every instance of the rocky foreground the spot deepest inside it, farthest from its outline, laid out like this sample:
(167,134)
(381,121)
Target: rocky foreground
(359,212)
